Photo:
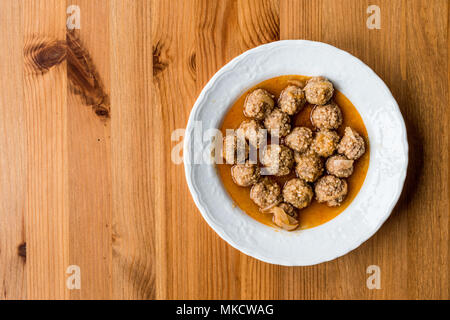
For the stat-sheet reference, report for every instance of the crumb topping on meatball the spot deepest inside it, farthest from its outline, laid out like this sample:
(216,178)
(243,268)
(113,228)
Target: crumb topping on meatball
(266,193)
(246,174)
(352,144)
(278,159)
(339,166)
(258,104)
(318,90)
(234,149)
(325,142)
(278,123)
(253,131)
(328,116)
(291,100)
(299,139)
(298,193)
(309,167)
(331,190)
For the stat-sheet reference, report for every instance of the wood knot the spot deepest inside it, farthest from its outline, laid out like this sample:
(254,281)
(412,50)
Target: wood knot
(159,65)
(22,250)
(84,79)
(43,54)
(193,65)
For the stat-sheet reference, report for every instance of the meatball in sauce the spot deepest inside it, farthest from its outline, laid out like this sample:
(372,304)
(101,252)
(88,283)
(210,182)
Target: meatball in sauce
(267,199)
(292,99)
(258,104)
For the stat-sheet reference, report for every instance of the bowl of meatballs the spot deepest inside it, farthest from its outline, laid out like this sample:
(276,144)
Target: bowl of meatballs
(302,152)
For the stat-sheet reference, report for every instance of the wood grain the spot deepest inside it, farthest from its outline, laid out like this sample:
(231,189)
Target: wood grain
(99,189)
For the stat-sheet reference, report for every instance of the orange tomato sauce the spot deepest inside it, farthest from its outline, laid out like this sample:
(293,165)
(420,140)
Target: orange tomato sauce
(316,213)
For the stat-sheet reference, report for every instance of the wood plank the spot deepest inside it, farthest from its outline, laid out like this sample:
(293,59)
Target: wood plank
(89,150)
(133,151)
(13,161)
(173,90)
(45,98)
(428,195)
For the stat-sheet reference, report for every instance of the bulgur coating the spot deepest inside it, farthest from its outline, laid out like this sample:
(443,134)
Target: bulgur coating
(234,149)
(309,167)
(253,131)
(278,159)
(339,166)
(325,142)
(258,104)
(298,193)
(299,139)
(246,174)
(309,152)
(331,190)
(291,100)
(318,90)
(328,116)
(352,144)
(278,120)
(266,193)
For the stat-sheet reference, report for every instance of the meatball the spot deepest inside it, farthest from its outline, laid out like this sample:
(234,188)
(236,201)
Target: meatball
(278,123)
(284,216)
(339,166)
(234,149)
(299,139)
(309,167)
(308,152)
(278,159)
(266,193)
(253,131)
(318,90)
(325,142)
(298,193)
(352,144)
(328,116)
(291,100)
(258,104)
(246,174)
(331,190)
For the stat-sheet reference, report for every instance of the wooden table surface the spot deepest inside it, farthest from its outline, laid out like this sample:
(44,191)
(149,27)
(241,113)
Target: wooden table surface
(86,176)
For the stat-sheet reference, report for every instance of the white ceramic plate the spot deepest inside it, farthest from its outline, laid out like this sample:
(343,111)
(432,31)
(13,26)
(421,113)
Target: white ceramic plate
(388,153)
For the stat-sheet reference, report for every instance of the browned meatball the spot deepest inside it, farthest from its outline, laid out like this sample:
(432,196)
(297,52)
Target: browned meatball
(278,159)
(309,167)
(284,216)
(339,166)
(299,139)
(258,104)
(266,193)
(253,131)
(278,123)
(325,142)
(318,90)
(352,144)
(298,193)
(331,190)
(234,150)
(328,116)
(291,100)
(246,174)
(309,152)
